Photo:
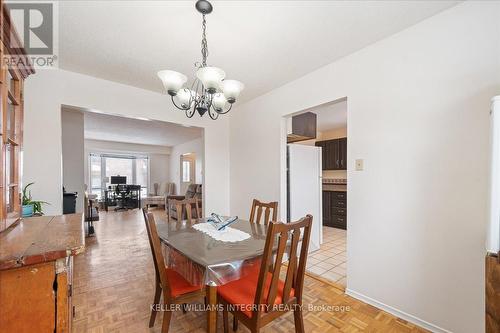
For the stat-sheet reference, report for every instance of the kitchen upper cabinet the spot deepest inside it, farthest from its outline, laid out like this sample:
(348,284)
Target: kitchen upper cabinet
(343,153)
(322,145)
(334,154)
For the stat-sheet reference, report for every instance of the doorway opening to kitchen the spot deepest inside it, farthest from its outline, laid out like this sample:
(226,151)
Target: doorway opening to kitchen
(317,184)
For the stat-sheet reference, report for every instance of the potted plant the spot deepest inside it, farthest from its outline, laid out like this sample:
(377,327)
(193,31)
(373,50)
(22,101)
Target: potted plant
(31,207)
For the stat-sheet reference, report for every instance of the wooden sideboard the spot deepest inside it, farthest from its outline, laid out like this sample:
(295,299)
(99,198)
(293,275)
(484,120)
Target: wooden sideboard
(36,273)
(492,293)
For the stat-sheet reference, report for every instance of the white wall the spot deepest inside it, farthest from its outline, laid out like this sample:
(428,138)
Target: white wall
(73,156)
(103,146)
(493,230)
(47,90)
(418,106)
(195,146)
(159,170)
(159,158)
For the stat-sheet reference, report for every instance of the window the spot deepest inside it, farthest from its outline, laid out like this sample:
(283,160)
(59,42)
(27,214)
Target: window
(186,171)
(104,166)
(95,175)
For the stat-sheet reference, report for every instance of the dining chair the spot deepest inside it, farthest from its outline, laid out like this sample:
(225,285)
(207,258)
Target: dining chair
(175,289)
(157,272)
(259,208)
(260,297)
(187,206)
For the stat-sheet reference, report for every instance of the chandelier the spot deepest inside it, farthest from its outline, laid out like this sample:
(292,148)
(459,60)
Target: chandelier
(210,91)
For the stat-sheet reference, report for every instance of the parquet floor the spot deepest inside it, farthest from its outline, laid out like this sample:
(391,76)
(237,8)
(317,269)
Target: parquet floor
(114,286)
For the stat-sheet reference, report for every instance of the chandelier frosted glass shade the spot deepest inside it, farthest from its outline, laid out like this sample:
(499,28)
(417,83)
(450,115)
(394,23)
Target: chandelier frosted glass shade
(232,89)
(185,97)
(211,77)
(172,81)
(219,101)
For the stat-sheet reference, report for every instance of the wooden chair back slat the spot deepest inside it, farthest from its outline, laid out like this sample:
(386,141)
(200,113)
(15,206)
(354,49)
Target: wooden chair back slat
(273,289)
(187,206)
(281,233)
(291,274)
(261,208)
(298,284)
(259,214)
(267,212)
(158,257)
(144,213)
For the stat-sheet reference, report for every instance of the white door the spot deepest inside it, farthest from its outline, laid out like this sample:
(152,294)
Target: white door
(305,188)
(188,163)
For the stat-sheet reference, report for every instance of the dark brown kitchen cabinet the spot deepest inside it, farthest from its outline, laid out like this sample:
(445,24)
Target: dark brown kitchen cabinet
(335,209)
(342,155)
(334,154)
(322,145)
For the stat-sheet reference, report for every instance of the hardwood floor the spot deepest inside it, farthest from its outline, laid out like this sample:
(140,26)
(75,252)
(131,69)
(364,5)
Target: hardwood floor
(114,287)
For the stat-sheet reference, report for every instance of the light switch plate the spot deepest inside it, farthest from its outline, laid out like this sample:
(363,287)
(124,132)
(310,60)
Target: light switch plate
(359,164)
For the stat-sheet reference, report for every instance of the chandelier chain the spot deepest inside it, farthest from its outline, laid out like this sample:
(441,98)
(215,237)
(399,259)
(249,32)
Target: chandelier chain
(204,43)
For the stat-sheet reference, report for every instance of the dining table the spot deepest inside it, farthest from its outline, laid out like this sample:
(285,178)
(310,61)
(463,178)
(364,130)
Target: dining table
(202,260)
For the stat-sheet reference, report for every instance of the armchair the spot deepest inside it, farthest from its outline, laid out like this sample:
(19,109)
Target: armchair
(161,192)
(194,191)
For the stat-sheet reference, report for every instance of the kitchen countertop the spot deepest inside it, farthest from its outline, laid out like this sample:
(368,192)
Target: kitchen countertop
(41,239)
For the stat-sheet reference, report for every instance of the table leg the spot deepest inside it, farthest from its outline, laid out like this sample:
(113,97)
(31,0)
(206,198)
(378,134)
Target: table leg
(211,294)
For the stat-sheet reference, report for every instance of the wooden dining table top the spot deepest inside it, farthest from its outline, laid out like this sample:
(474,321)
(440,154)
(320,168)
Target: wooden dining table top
(206,251)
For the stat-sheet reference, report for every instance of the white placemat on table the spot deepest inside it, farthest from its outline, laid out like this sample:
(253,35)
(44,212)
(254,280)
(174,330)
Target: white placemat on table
(227,235)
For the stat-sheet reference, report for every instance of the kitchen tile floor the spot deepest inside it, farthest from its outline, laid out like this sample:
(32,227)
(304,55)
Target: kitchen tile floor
(330,261)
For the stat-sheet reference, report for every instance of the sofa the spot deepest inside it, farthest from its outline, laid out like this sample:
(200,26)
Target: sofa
(194,191)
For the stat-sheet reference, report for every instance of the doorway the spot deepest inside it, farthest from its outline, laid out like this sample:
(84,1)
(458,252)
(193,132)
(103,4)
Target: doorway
(316,176)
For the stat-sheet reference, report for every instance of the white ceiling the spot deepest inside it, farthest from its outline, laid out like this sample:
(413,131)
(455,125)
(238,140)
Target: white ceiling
(105,127)
(330,116)
(264,44)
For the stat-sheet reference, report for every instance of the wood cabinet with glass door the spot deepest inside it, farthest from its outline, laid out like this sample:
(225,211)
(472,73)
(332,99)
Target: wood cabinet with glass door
(11,122)
(11,144)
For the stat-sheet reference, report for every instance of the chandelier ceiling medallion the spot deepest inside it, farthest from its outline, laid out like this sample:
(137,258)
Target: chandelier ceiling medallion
(210,91)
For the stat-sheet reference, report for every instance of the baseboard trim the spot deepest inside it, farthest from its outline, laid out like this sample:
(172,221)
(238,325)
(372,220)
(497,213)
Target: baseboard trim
(396,312)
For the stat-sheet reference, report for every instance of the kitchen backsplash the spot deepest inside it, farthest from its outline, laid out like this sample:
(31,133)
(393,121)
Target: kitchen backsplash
(335,181)
(335,174)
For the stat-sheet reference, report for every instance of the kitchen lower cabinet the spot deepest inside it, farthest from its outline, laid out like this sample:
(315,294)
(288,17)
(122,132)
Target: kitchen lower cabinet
(335,209)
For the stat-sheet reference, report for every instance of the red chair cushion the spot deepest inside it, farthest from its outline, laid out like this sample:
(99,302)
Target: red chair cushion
(243,291)
(178,284)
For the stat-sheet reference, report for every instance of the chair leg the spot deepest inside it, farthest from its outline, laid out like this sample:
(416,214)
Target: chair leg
(156,301)
(225,319)
(299,321)
(235,323)
(167,315)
